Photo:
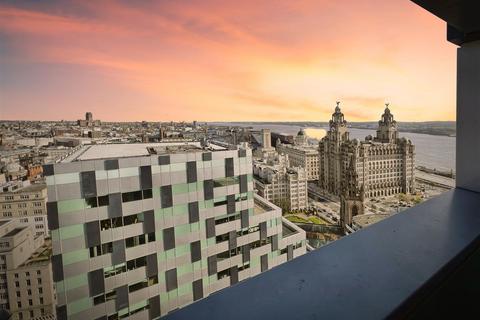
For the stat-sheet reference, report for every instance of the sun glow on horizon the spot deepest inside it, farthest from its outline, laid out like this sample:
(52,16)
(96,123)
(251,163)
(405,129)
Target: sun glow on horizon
(224,61)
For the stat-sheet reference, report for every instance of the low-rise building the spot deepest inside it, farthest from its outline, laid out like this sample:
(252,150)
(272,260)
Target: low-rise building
(27,204)
(302,155)
(281,184)
(26,286)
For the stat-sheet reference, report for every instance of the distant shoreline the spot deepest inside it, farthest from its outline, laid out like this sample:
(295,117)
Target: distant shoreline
(434,128)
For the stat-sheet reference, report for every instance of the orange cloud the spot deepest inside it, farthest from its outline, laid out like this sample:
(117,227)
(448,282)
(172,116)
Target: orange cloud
(207,60)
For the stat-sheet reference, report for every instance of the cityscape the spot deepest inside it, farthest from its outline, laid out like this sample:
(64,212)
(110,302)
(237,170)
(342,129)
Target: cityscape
(142,218)
(282,197)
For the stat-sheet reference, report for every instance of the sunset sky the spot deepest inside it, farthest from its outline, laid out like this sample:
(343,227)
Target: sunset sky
(222,60)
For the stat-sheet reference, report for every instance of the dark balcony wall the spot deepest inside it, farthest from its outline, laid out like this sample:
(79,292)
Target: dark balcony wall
(375,273)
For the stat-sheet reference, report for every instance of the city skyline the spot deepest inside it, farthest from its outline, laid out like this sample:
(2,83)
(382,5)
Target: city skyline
(182,61)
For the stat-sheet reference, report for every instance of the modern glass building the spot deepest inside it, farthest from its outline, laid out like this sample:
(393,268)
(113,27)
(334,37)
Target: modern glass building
(139,230)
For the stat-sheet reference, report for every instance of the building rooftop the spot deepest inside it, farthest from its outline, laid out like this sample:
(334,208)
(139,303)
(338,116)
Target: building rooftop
(124,150)
(287,230)
(41,256)
(14,232)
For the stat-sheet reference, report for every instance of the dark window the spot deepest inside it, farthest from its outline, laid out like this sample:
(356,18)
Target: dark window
(147,194)
(131,196)
(91,202)
(98,299)
(151,237)
(103,201)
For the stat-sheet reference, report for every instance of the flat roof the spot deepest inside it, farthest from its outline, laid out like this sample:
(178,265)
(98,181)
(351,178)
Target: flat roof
(124,150)
(14,232)
(287,230)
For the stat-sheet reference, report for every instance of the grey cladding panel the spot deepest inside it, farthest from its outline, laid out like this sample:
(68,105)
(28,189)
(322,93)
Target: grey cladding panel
(149,221)
(96,282)
(168,238)
(166,196)
(152,265)
(193,212)
(61,312)
(210,227)
(191,171)
(111,164)
(171,279)
(118,251)
(264,262)
(245,219)
(164,160)
(122,297)
(229,171)
(115,205)
(145,177)
(289,252)
(88,184)
(263,230)
(154,307)
(207,156)
(92,233)
(52,215)
(48,170)
(195,251)
(208,189)
(57,267)
(275,242)
(212,265)
(197,286)
(246,253)
(232,240)
(231,204)
(233,275)
(243,183)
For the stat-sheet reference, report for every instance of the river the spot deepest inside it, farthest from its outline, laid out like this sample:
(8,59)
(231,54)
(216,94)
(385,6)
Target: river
(431,151)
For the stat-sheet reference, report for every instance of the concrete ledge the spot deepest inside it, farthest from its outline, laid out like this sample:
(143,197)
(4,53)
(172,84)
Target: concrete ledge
(378,272)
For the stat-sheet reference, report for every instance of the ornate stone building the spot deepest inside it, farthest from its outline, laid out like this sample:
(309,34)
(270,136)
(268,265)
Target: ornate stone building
(301,154)
(381,166)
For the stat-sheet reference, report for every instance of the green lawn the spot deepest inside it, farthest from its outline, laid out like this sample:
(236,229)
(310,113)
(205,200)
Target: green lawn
(296,219)
(316,220)
(312,219)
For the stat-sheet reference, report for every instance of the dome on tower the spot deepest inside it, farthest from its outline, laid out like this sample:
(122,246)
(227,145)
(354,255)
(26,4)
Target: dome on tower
(301,132)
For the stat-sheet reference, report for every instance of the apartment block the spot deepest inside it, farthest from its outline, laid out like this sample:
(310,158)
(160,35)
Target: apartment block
(27,204)
(139,230)
(302,156)
(278,182)
(26,286)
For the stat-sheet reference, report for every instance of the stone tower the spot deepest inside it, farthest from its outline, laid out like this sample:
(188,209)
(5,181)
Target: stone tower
(387,127)
(352,196)
(331,153)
